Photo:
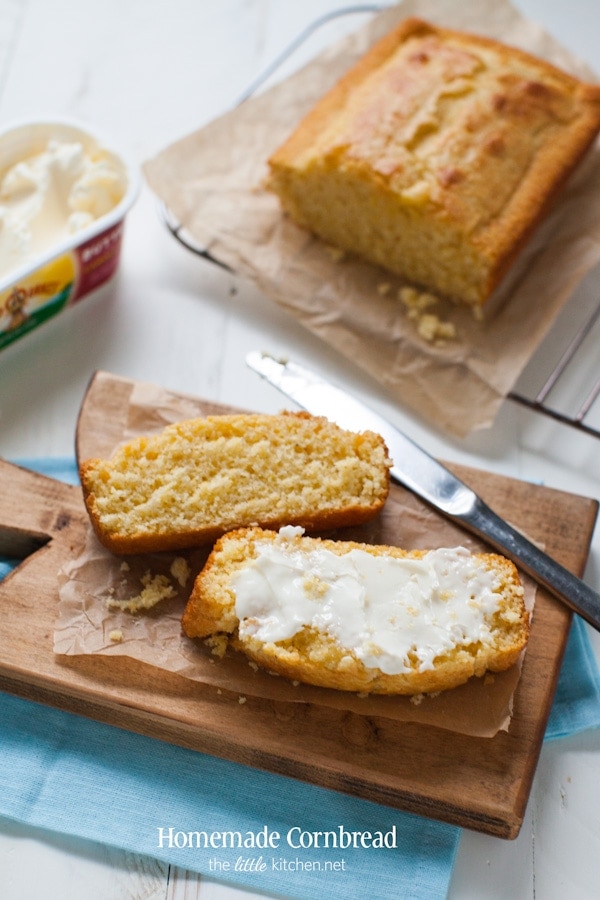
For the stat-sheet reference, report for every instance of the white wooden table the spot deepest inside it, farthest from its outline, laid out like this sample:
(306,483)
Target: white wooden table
(148,72)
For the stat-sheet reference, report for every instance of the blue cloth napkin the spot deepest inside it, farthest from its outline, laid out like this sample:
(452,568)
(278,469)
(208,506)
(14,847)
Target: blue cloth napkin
(78,777)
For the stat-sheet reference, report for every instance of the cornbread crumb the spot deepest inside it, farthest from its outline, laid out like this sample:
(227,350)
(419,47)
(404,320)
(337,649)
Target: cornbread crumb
(242,699)
(155,589)
(432,328)
(429,325)
(416,301)
(180,570)
(218,644)
(116,635)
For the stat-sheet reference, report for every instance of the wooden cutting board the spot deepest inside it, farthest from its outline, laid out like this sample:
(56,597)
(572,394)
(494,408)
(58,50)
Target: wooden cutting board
(476,783)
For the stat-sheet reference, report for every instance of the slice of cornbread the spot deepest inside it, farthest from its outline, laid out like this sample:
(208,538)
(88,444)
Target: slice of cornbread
(202,477)
(360,617)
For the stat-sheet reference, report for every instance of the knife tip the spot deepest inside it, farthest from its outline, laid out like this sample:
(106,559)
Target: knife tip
(256,359)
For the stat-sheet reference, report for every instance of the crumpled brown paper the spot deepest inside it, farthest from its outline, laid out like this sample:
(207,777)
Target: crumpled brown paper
(211,182)
(95,578)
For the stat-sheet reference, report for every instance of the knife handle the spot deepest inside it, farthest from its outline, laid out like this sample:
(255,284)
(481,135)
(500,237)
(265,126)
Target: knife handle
(567,587)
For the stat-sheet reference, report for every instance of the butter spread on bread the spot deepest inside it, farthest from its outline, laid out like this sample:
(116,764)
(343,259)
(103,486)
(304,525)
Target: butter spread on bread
(360,617)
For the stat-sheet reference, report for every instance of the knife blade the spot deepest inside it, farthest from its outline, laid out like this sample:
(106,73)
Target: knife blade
(418,471)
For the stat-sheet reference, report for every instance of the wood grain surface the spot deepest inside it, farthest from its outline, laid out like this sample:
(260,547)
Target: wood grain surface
(481,784)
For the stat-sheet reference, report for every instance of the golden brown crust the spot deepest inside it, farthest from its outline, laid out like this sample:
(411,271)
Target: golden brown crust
(448,673)
(458,131)
(201,478)
(311,657)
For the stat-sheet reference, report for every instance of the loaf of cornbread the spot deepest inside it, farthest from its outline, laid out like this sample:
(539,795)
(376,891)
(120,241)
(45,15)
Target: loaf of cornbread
(436,157)
(358,617)
(202,477)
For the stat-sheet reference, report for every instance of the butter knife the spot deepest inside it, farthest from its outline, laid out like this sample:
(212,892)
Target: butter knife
(416,470)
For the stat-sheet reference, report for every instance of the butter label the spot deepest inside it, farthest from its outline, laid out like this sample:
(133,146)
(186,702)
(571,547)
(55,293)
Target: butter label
(35,298)
(98,259)
(43,293)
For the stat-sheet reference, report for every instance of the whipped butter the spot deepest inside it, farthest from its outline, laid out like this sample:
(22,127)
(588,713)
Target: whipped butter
(380,608)
(53,194)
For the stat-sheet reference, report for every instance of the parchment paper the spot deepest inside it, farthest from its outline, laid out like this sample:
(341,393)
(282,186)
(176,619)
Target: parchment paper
(86,624)
(210,181)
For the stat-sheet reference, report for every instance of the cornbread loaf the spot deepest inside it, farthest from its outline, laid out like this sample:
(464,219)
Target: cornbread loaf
(358,617)
(436,156)
(202,477)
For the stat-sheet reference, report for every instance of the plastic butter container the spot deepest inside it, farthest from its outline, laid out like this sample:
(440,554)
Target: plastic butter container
(64,195)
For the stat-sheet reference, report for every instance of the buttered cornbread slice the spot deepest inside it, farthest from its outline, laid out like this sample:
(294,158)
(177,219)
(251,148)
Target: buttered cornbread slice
(436,156)
(358,617)
(202,477)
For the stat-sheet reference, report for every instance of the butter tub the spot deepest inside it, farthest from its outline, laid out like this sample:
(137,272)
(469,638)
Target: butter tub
(41,275)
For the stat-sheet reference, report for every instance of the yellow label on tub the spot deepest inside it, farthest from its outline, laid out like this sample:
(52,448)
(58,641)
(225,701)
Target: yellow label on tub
(36,297)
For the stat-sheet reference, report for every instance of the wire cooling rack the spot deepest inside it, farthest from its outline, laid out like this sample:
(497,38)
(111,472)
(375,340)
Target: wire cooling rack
(563,380)
(569,391)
